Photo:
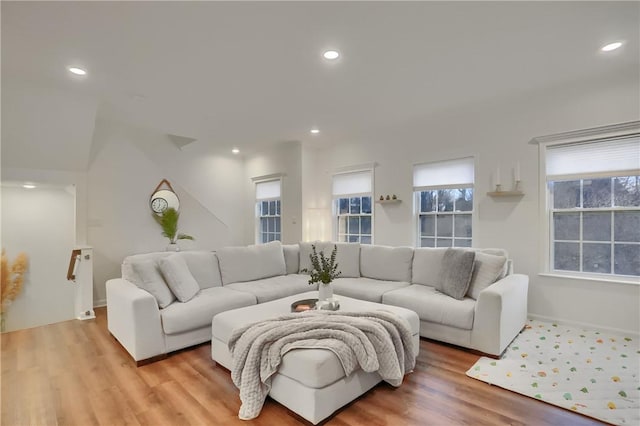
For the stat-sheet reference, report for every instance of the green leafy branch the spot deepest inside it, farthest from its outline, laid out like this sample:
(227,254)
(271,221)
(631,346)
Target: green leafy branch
(168,221)
(323,269)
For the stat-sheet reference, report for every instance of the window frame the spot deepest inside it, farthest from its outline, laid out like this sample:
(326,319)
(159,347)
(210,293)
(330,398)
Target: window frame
(581,241)
(418,213)
(547,246)
(258,233)
(335,234)
(417,189)
(337,216)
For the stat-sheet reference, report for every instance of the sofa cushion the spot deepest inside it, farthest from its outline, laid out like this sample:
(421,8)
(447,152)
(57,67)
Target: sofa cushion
(127,264)
(488,269)
(347,257)
(291,258)
(199,311)
(365,288)
(240,264)
(178,277)
(273,288)
(456,271)
(427,266)
(386,263)
(203,265)
(149,278)
(433,306)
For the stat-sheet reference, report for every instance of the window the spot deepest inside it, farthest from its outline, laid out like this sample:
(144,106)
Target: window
(268,211)
(444,203)
(593,202)
(353,213)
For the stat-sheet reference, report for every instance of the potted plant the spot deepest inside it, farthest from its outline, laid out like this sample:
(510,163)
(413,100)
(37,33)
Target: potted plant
(323,271)
(168,221)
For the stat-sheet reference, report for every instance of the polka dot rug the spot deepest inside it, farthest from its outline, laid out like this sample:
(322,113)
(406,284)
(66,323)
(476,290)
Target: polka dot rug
(592,372)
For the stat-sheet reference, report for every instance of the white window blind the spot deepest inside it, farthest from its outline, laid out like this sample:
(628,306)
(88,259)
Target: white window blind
(592,158)
(353,183)
(268,190)
(458,173)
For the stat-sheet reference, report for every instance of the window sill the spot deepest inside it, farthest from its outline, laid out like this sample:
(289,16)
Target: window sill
(613,280)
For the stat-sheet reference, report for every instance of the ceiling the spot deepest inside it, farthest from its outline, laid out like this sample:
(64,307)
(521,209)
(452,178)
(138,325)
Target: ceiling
(251,73)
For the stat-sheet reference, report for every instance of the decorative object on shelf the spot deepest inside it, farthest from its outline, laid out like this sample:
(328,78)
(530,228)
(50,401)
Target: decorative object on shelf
(515,192)
(323,271)
(388,201)
(388,198)
(393,197)
(168,221)
(163,199)
(11,281)
(382,198)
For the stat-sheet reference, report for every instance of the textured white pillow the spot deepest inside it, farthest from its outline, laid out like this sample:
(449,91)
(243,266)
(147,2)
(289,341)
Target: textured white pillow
(179,278)
(149,279)
(240,264)
(386,263)
(203,265)
(456,272)
(347,257)
(487,269)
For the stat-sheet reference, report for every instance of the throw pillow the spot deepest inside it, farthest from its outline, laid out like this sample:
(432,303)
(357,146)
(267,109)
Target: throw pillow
(179,278)
(456,272)
(150,280)
(488,268)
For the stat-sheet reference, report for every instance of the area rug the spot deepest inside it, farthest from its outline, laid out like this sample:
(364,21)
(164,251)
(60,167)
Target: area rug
(591,372)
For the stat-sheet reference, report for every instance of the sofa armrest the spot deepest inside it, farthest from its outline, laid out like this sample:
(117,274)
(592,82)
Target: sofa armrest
(500,314)
(133,317)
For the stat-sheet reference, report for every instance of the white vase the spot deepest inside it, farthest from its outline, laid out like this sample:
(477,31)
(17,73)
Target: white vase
(325,291)
(173,247)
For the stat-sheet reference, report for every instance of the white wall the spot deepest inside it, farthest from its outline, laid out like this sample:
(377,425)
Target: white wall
(496,134)
(40,222)
(285,158)
(126,165)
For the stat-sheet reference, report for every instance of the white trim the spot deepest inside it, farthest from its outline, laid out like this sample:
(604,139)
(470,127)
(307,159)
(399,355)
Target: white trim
(355,168)
(586,276)
(581,324)
(100,303)
(437,187)
(595,133)
(266,178)
(595,175)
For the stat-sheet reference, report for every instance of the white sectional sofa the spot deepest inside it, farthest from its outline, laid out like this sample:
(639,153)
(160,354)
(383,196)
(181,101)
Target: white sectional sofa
(148,321)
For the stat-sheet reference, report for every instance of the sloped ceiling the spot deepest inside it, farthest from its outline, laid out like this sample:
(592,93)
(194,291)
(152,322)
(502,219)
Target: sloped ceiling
(46,128)
(249,73)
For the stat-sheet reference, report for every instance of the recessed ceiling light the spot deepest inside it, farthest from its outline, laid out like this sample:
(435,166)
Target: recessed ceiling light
(331,54)
(28,186)
(235,150)
(315,131)
(611,46)
(77,71)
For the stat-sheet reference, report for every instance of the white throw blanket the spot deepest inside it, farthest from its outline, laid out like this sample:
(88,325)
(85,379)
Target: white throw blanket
(374,341)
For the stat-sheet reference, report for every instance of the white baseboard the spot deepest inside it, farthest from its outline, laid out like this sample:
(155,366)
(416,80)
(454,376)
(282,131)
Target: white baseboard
(99,303)
(583,325)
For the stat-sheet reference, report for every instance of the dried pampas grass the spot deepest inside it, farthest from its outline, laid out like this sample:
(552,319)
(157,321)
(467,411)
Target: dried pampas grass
(12,278)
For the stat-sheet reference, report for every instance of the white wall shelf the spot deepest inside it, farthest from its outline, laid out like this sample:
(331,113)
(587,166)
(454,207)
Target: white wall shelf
(505,194)
(396,201)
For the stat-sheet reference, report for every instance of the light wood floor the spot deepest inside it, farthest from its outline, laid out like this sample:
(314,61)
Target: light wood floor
(76,373)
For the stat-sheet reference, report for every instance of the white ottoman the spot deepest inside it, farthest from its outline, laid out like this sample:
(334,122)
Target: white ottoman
(310,382)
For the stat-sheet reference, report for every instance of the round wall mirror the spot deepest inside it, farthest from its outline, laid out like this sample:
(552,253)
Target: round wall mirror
(163,199)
